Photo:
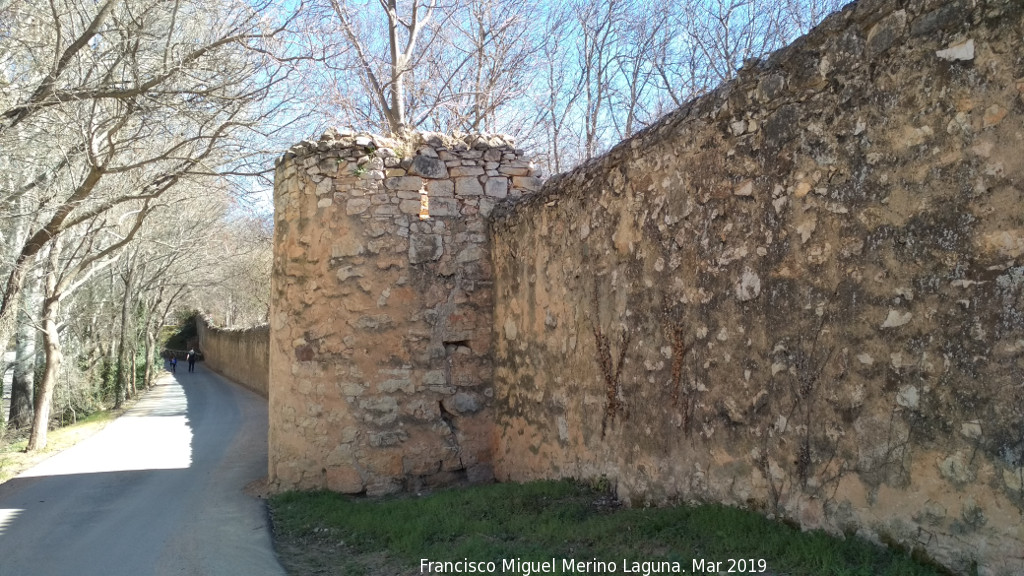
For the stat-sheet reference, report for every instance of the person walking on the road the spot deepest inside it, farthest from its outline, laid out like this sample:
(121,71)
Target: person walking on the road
(192,360)
(174,362)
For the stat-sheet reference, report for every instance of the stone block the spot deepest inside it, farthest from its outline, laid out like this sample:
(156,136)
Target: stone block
(464,403)
(386,210)
(347,246)
(957,470)
(418,465)
(486,206)
(496,187)
(356,206)
(480,474)
(387,438)
(428,167)
(344,479)
(380,410)
(470,254)
(375,323)
(396,385)
(443,207)
(530,183)
(960,52)
(288,474)
(425,248)
(422,409)
(462,171)
(434,378)
(440,188)
(383,486)
(403,183)
(351,388)
(468,187)
(514,170)
(886,32)
(411,207)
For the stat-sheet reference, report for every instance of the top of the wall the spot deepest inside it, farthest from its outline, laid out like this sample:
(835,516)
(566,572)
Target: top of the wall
(212,326)
(856,38)
(334,139)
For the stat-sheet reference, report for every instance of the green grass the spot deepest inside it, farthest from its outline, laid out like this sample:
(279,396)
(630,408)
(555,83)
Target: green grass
(545,520)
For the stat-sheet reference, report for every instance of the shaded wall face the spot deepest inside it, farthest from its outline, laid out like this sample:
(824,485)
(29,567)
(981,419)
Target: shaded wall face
(803,293)
(380,373)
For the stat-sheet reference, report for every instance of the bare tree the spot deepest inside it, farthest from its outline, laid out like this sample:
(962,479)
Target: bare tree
(71,263)
(492,53)
(562,86)
(643,30)
(386,66)
(600,25)
(118,101)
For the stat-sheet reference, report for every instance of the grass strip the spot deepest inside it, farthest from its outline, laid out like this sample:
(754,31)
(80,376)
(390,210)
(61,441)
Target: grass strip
(566,520)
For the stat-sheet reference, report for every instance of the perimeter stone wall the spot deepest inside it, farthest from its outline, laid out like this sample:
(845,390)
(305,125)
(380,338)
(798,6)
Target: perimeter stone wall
(802,293)
(238,354)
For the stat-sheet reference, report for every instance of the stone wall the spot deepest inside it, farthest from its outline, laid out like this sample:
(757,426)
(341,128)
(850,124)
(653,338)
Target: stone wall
(802,293)
(380,357)
(241,355)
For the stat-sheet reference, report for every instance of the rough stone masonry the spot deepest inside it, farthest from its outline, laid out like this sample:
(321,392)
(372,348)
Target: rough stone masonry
(802,293)
(380,353)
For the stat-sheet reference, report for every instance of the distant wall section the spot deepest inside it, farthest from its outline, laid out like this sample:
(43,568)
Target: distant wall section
(241,355)
(802,293)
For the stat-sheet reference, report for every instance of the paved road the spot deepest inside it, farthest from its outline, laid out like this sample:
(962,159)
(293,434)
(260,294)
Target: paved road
(159,491)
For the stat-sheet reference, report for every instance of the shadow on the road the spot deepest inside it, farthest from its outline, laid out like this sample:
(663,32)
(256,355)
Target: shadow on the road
(164,479)
(159,435)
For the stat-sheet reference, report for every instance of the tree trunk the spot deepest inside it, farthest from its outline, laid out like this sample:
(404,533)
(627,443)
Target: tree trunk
(123,383)
(148,344)
(54,357)
(150,364)
(135,355)
(23,382)
(111,368)
(10,304)
(396,113)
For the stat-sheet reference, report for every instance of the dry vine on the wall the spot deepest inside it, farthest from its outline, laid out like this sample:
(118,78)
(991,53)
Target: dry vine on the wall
(810,358)
(679,351)
(681,392)
(610,371)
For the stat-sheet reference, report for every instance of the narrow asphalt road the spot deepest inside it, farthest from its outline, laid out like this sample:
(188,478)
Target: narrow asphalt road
(158,491)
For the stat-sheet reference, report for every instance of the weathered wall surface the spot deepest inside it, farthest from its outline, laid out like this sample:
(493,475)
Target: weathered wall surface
(241,355)
(380,359)
(802,293)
